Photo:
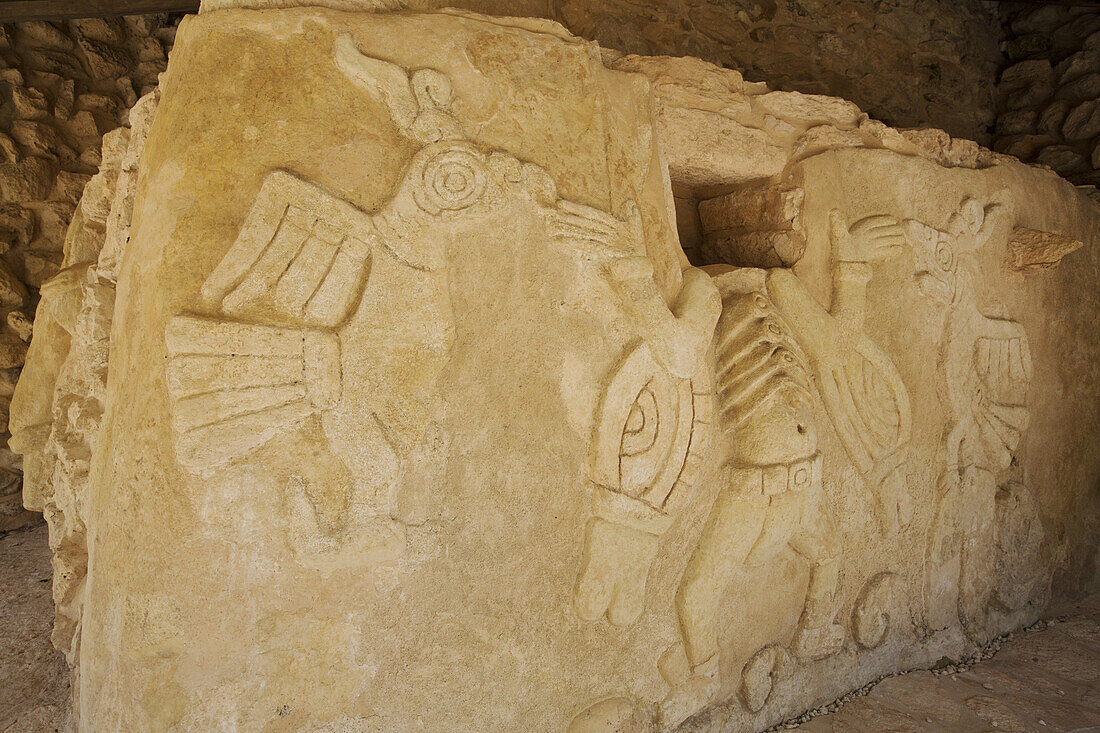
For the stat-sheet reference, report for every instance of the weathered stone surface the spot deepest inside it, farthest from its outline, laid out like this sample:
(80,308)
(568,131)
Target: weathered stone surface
(1030,249)
(1017,122)
(1082,62)
(415,363)
(1081,88)
(1062,158)
(734,153)
(813,109)
(1051,120)
(27,180)
(1035,73)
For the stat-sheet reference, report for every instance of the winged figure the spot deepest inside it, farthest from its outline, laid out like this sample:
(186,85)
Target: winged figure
(863,392)
(321,311)
(985,365)
(985,359)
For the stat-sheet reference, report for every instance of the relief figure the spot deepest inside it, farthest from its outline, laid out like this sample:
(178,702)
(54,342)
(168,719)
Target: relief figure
(776,346)
(985,370)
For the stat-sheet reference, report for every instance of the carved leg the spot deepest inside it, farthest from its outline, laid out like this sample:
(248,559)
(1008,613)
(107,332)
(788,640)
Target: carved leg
(941,581)
(979,489)
(613,572)
(732,529)
(818,635)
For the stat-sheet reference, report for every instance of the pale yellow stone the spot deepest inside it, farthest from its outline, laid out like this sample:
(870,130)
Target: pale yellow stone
(391,401)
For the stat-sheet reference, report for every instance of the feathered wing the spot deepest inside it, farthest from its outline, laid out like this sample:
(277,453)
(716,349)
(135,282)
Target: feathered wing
(302,255)
(860,386)
(235,386)
(266,355)
(1002,365)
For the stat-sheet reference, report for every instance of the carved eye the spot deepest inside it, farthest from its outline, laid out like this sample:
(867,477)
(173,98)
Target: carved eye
(945,256)
(448,177)
(643,433)
(640,431)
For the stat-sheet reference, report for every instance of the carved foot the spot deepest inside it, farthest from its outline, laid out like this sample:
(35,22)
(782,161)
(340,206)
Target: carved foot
(692,688)
(759,675)
(818,642)
(612,579)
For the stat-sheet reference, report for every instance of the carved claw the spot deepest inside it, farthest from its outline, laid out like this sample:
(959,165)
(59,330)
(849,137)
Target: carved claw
(594,233)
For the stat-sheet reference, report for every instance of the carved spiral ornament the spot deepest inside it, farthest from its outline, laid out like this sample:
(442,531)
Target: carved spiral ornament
(451,177)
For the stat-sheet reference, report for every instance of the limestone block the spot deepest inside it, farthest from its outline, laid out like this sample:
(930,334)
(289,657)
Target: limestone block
(758,226)
(812,108)
(709,149)
(408,398)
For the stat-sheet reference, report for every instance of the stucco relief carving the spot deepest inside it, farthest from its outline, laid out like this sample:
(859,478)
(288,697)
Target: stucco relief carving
(576,485)
(650,432)
(867,402)
(770,498)
(985,368)
(778,352)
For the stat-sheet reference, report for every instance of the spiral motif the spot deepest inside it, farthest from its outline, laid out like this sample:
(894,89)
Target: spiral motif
(451,177)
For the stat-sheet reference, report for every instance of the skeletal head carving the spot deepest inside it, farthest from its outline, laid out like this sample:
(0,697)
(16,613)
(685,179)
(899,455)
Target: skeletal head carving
(936,253)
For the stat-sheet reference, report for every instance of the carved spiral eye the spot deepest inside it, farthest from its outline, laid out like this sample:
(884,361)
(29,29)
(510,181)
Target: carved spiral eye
(451,177)
(640,431)
(644,429)
(945,256)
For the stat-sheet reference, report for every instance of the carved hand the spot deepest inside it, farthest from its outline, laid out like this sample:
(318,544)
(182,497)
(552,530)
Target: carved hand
(871,239)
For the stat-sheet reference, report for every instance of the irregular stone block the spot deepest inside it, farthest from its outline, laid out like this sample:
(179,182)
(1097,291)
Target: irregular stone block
(1083,121)
(27,180)
(1030,249)
(811,109)
(1062,158)
(1086,86)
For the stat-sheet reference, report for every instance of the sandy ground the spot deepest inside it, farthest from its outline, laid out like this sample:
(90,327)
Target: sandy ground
(1040,681)
(34,681)
(1045,680)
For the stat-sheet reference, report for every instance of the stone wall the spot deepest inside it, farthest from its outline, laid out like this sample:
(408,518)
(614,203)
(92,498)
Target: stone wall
(415,363)
(908,63)
(1049,95)
(62,86)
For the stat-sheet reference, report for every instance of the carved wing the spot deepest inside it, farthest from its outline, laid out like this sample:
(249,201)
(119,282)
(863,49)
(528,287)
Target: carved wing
(302,254)
(1002,364)
(234,386)
(269,357)
(860,386)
